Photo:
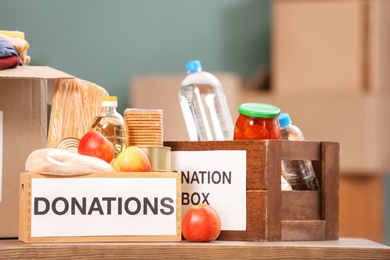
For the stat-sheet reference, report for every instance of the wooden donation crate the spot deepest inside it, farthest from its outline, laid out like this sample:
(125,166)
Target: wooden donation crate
(100,207)
(273,214)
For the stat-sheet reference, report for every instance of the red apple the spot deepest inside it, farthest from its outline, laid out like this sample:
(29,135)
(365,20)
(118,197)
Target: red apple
(201,223)
(132,159)
(93,143)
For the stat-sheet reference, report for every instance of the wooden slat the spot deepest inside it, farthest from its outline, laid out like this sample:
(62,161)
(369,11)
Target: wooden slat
(24,207)
(273,215)
(308,230)
(330,188)
(301,205)
(308,150)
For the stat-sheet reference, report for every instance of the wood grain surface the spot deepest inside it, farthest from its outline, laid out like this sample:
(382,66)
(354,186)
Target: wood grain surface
(345,248)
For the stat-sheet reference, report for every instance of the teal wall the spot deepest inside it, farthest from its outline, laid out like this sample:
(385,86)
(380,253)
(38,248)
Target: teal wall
(106,42)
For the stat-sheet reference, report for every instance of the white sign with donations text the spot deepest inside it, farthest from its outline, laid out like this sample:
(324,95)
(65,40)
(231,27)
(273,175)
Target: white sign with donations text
(217,178)
(63,207)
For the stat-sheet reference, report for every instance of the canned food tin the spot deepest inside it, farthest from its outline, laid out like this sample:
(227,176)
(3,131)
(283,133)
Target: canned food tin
(70,144)
(257,121)
(159,157)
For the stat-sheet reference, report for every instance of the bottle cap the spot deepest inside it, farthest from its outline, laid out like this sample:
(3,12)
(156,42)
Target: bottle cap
(284,119)
(110,101)
(193,66)
(262,110)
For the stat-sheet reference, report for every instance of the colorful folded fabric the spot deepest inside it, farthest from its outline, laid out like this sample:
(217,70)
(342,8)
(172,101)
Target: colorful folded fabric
(9,62)
(16,39)
(6,49)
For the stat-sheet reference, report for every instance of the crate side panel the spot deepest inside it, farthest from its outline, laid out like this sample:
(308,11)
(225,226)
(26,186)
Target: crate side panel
(301,205)
(25,208)
(330,188)
(303,230)
(256,220)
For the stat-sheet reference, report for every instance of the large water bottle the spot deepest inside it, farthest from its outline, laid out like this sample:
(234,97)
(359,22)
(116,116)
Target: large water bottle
(204,106)
(298,173)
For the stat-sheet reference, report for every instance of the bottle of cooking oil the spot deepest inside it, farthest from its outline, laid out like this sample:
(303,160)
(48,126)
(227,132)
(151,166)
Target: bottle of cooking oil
(111,124)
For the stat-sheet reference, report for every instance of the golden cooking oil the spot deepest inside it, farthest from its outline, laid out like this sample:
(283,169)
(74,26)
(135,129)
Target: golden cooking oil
(111,124)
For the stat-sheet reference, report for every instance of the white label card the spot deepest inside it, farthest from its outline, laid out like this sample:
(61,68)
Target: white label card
(103,206)
(217,178)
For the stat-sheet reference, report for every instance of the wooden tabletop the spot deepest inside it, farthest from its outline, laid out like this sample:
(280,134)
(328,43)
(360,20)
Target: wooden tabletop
(345,248)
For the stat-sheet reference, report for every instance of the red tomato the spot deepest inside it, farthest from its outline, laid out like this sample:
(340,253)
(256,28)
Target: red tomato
(242,122)
(256,132)
(273,127)
(238,134)
(274,133)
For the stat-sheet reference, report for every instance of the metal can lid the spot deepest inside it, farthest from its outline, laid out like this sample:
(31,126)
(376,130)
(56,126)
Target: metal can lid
(70,144)
(255,109)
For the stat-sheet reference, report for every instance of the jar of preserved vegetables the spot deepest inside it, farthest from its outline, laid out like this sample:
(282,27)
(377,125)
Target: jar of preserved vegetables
(257,121)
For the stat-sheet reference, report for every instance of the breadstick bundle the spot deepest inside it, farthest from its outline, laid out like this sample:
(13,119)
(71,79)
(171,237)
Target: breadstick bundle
(75,104)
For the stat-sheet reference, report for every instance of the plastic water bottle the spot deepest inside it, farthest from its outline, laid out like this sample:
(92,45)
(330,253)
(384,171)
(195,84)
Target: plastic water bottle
(299,173)
(111,124)
(204,106)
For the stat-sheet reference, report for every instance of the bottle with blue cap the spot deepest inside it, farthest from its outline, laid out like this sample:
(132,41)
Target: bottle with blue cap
(298,173)
(204,105)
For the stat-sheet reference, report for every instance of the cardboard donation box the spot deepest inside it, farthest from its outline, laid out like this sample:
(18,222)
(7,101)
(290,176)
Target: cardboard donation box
(25,93)
(257,209)
(100,207)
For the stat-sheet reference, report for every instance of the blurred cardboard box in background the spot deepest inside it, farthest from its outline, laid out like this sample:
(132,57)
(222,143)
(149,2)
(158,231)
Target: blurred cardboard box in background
(330,46)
